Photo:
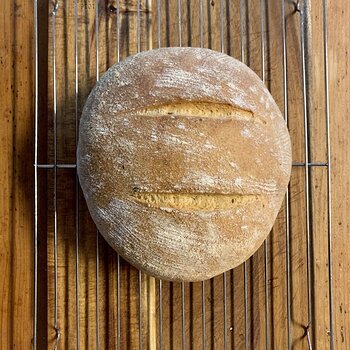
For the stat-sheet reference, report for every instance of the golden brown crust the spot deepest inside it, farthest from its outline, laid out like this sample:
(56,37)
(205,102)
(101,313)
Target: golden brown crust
(184,159)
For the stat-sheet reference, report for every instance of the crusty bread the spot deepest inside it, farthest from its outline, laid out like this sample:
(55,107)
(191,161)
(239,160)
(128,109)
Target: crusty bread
(184,159)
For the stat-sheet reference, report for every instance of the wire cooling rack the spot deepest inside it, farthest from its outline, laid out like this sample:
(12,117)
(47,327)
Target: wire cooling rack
(147,300)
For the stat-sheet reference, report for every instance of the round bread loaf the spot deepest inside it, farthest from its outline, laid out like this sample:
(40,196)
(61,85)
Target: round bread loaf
(184,160)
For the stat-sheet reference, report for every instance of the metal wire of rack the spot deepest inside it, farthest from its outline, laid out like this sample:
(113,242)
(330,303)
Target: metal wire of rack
(301,10)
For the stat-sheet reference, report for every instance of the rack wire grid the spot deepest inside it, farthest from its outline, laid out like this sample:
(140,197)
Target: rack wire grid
(86,296)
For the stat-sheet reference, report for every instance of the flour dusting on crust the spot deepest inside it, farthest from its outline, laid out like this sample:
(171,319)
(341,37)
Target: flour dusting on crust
(184,159)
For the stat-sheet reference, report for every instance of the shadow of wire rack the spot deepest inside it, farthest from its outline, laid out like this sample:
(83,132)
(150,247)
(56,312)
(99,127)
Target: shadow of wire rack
(87,297)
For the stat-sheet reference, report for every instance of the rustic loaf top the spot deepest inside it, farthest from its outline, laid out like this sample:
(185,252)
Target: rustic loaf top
(184,159)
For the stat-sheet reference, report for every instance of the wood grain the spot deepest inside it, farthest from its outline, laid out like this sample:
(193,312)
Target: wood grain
(16,181)
(339,86)
(16,174)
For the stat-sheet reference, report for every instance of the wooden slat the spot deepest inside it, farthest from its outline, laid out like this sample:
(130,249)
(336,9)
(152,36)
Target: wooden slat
(339,89)
(6,173)
(16,174)
(318,145)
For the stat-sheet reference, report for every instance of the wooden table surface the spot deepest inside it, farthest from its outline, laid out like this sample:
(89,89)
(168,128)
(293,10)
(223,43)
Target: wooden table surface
(17,181)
